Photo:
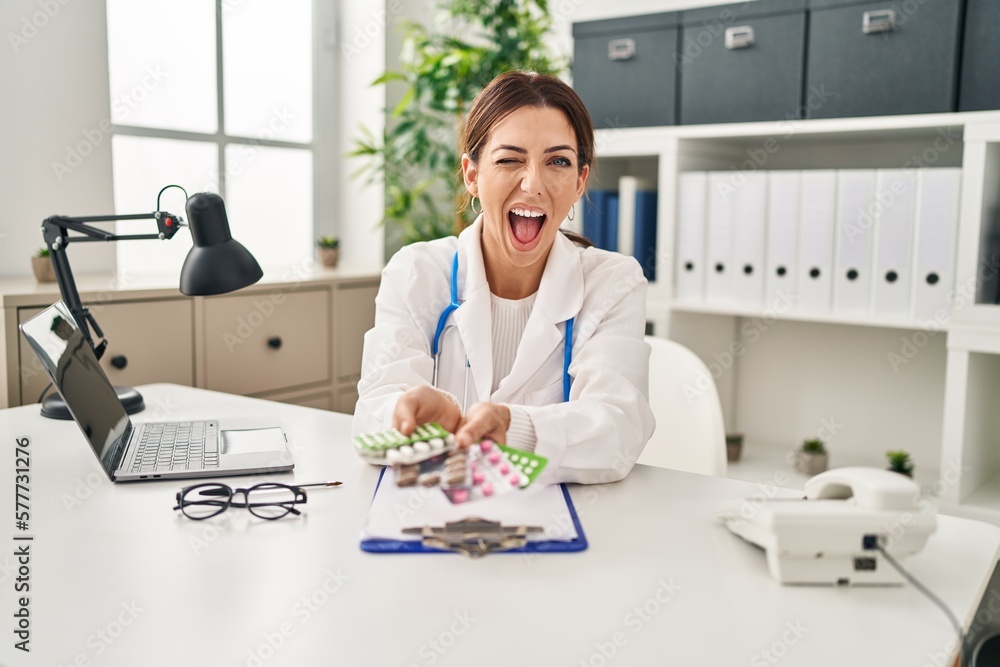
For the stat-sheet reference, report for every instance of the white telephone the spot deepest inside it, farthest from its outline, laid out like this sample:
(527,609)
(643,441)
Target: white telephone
(831,536)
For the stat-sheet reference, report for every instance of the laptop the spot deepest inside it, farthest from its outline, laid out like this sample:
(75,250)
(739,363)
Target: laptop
(152,450)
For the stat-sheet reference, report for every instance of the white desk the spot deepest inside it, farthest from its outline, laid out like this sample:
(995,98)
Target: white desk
(163,590)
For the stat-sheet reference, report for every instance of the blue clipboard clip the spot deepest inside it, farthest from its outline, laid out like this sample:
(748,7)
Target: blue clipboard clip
(474,537)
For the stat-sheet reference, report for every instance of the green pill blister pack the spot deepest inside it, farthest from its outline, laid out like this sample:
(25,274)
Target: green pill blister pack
(391,447)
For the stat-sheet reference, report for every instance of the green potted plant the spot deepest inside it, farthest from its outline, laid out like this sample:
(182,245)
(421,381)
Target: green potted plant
(734,446)
(812,457)
(442,68)
(899,461)
(329,250)
(41,264)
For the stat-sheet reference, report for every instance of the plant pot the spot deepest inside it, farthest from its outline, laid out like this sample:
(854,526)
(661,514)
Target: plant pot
(906,474)
(329,256)
(809,463)
(734,446)
(44,271)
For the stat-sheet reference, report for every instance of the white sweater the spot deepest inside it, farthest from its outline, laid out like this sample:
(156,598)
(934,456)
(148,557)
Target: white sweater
(509,318)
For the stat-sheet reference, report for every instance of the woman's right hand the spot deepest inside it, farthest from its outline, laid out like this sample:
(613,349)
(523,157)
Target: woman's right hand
(425,404)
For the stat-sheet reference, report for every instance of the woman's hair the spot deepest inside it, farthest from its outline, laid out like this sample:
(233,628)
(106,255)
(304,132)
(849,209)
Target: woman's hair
(514,90)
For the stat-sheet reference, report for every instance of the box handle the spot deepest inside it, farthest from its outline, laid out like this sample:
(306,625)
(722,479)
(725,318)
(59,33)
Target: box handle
(621,49)
(880,20)
(739,37)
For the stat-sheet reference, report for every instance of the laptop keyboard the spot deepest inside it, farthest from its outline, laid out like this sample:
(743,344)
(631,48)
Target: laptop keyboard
(177,446)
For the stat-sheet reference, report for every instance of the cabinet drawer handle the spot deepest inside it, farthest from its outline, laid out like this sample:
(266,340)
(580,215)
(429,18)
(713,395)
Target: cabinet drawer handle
(621,49)
(880,20)
(119,361)
(274,342)
(739,37)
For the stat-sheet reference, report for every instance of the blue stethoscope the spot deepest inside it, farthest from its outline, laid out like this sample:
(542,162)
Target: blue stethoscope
(453,306)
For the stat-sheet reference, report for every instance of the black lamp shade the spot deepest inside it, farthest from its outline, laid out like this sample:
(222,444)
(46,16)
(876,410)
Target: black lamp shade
(217,263)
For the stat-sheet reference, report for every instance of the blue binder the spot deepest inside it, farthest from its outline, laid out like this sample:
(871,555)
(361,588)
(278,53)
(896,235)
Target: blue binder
(384,546)
(645,232)
(600,218)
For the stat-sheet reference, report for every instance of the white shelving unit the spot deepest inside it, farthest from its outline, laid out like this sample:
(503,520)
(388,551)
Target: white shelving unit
(783,377)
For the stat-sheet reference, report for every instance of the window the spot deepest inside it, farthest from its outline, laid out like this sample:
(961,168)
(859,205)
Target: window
(217,97)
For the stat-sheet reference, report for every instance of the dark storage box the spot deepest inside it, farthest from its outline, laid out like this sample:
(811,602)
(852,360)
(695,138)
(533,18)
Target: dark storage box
(625,70)
(980,84)
(742,62)
(882,58)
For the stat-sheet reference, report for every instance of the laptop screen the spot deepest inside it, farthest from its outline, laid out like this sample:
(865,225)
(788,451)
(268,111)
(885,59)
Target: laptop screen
(75,372)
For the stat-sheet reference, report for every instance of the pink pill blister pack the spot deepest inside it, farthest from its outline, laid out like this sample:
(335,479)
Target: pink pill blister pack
(484,470)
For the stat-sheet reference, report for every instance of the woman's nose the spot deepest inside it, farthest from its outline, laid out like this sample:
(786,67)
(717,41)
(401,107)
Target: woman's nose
(531,182)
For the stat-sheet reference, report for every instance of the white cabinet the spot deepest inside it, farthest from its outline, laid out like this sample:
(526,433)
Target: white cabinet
(297,340)
(865,382)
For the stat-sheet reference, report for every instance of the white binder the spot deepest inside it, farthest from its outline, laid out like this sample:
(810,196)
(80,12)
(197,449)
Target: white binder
(719,283)
(938,193)
(689,269)
(895,194)
(856,212)
(750,233)
(817,220)
(783,207)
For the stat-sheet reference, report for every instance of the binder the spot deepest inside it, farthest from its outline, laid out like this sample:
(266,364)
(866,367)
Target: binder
(750,215)
(895,194)
(856,211)
(600,213)
(719,284)
(937,225)
(818,200)
(390,503)
(645,232)
(783,209)
(689,278)
(628,221)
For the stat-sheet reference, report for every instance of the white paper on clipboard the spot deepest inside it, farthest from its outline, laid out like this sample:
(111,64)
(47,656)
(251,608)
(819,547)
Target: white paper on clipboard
(395,508)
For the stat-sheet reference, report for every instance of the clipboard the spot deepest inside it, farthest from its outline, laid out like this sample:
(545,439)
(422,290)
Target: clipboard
(480,536)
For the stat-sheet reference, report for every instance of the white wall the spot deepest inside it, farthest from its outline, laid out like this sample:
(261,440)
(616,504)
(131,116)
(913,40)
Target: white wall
(56,111)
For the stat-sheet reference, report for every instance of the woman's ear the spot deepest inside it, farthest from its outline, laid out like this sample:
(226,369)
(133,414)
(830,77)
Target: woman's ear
(581,181)
(470,174)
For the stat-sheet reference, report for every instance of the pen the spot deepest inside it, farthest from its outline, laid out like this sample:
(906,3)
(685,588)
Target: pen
(224,492)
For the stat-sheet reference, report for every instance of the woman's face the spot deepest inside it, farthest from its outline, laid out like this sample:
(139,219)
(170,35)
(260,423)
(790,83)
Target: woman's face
(527,179)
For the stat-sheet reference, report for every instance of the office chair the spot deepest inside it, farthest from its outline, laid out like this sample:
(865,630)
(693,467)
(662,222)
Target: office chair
(689,434)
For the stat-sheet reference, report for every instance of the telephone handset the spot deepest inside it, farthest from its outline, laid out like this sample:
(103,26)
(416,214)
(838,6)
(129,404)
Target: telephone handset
(869,487)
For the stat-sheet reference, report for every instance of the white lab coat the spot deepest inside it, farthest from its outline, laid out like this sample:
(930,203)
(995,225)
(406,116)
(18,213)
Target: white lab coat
(597,435)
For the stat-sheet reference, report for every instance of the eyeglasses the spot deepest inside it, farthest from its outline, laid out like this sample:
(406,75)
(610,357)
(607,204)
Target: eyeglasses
(269,500)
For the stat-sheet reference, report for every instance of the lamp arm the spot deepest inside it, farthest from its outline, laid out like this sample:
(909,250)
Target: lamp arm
(55,232)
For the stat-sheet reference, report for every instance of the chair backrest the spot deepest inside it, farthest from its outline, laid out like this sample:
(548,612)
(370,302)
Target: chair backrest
(690,434)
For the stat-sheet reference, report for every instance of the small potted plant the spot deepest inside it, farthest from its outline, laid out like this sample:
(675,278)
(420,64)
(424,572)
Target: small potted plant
(41,264)
(899,461)
(734,446)
(329,250)
(812,458)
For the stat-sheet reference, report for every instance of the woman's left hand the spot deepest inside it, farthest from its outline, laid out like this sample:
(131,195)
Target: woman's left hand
(484,420)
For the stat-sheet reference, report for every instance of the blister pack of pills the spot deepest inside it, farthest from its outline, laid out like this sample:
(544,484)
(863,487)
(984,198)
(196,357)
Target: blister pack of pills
(486,469)
(391,447)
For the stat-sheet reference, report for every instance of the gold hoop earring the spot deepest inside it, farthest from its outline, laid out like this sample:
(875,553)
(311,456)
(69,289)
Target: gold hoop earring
(572,215)
(472,205)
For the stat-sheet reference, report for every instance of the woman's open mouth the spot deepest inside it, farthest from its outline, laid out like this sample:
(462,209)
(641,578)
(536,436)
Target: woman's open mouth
(525,226)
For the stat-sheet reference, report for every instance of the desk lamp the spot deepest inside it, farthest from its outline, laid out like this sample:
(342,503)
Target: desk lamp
(215,265)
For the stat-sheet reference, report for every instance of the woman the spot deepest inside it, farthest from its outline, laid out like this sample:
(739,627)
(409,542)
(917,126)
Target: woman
(504,368)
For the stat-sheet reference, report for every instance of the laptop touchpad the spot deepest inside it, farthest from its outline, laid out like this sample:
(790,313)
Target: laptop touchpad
(252,441)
